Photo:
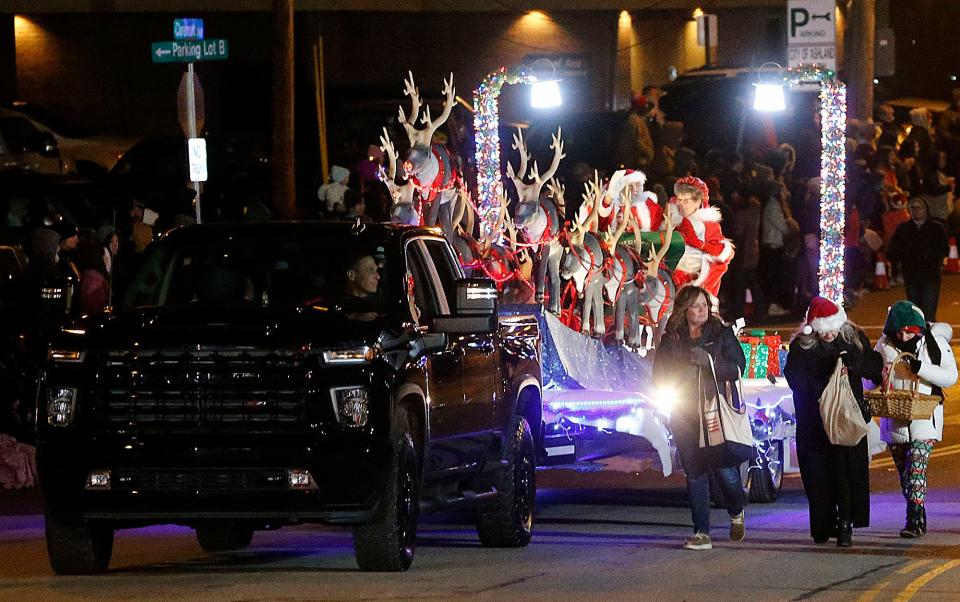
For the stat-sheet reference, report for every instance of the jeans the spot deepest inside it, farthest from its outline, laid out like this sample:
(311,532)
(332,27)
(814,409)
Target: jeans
(925,293)
(698,489)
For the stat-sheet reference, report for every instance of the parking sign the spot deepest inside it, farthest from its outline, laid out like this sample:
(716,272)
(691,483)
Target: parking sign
(811,33)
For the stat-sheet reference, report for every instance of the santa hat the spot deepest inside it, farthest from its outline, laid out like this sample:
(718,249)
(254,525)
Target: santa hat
(824,316)
(696,183)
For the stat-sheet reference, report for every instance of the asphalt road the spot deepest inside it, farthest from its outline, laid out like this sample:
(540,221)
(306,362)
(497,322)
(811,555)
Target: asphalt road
(609,535)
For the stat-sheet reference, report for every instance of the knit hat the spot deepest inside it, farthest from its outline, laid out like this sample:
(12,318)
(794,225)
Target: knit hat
(65,228)
(904,314)
(339,174)
(824,316)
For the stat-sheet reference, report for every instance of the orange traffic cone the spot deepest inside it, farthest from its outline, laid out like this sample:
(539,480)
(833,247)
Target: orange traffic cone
(953,260)
(881,282)
(748,304)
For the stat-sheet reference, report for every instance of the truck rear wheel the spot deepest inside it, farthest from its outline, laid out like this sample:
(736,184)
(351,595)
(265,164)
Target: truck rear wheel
(766,478)
(223,538)
(506,521)
(387,543)
(78,548)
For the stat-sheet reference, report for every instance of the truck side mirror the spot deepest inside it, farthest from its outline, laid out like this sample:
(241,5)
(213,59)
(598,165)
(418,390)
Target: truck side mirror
(475,309)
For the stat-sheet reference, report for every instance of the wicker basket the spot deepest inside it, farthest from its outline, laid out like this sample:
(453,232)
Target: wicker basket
(901,404)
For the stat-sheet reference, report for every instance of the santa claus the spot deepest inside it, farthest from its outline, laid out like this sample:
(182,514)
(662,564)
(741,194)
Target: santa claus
(647,214)
(706,253)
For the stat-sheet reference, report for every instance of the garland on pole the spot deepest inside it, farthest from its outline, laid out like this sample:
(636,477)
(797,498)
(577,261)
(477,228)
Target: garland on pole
(486,126)
(833,173)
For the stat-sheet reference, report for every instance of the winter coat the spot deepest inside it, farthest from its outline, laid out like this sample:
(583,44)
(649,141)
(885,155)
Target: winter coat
(919,249)
(672,369)
(809,370)
(944,375)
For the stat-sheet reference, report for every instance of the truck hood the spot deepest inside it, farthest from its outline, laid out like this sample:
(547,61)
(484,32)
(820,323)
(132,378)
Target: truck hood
(215,326)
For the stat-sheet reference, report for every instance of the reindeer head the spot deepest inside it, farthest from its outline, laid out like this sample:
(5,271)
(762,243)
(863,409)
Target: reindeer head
(402,210)
(529,194)
(420,139)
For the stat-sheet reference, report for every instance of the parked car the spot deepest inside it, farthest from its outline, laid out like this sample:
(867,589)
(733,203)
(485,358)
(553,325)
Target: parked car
(240,387)
(24,147)
(81,150)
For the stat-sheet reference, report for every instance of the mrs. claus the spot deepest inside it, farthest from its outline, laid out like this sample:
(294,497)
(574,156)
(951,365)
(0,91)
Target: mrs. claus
(706,253)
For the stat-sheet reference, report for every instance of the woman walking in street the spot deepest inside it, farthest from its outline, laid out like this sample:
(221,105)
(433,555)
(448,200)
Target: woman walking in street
(691,338)
(911,442)
(835,477)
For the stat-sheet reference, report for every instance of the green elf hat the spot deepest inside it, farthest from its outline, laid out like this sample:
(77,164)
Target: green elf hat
(904,314)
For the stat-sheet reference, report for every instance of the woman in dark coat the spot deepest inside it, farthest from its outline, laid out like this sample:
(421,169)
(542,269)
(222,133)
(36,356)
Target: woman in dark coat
(692,336)
(835,477)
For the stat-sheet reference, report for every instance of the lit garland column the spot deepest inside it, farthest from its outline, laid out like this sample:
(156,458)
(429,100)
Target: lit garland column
(486,127)
(833,174)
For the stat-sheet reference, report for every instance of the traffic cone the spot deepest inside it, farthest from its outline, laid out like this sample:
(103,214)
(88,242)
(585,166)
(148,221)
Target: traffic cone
(748,304)
(881,281)
(953,260)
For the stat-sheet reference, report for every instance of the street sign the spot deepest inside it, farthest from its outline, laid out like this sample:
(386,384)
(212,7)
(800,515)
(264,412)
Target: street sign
(188,29)
(189,51)
(197,159)
(811,33)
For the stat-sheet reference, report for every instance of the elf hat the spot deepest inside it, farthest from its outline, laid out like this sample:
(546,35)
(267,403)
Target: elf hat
(824,316)
(901,315)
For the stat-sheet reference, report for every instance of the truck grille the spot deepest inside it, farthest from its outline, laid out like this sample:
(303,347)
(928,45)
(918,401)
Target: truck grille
(191,390)
(206,480)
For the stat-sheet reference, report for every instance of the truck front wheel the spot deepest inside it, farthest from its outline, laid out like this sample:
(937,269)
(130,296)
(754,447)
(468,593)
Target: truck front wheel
(506,521)
(224,538)
(78,548)
(387,543)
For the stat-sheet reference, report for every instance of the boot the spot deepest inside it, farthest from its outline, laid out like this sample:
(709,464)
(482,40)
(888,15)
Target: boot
(845,534)
(911,527)
(923,519)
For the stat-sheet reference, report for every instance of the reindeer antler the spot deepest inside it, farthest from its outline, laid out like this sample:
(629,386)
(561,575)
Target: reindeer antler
(449,93)
(386,145)
(557,191)
(410,89)
(653,263)
(614,237)
(556,144)
(518,145)
(592,197)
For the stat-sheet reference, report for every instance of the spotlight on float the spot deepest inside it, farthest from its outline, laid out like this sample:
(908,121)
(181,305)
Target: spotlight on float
(545,88)
(663,399)
(769,94)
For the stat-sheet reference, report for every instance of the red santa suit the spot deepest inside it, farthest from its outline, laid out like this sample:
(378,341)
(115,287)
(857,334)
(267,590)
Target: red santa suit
(647,213)
(706,253)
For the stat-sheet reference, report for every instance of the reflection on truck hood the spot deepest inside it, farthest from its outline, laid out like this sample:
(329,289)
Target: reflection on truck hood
(230,326)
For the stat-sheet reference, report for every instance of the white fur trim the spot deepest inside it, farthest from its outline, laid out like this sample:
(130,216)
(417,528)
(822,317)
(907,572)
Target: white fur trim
(707,214)
(830,323)
(622,179)
(641,212)
(726,254)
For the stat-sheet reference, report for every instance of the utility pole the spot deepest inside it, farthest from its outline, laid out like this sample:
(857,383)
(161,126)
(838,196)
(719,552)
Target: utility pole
(284,184)
(858,63)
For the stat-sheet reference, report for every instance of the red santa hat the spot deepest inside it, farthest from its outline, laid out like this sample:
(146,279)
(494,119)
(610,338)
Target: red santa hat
(824,316)
(696,183)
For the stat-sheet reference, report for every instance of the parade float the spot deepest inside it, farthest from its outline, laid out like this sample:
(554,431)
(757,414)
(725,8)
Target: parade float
(602,284)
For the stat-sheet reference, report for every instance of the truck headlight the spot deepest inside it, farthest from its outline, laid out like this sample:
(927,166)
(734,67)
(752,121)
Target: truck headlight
(61,405)
(350,404)
(69,356)
(355,355)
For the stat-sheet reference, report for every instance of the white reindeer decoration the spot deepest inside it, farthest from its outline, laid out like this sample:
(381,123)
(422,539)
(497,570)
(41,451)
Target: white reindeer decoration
(583,261)
(431,167)
(538,220)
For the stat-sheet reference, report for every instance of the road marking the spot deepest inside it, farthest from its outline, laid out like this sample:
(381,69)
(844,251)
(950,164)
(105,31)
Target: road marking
(915,585)
(870,594)
(949,450)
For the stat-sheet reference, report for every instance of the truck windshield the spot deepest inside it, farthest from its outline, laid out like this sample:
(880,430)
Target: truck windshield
(261,272)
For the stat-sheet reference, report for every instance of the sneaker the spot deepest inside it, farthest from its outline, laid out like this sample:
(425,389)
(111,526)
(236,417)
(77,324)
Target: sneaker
(737,529)
(700,541)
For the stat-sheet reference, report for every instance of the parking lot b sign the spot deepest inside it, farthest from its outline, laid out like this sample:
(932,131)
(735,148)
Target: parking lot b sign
(811,33)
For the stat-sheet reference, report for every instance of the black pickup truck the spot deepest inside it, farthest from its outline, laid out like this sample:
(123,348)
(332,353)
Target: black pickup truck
(261,375)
